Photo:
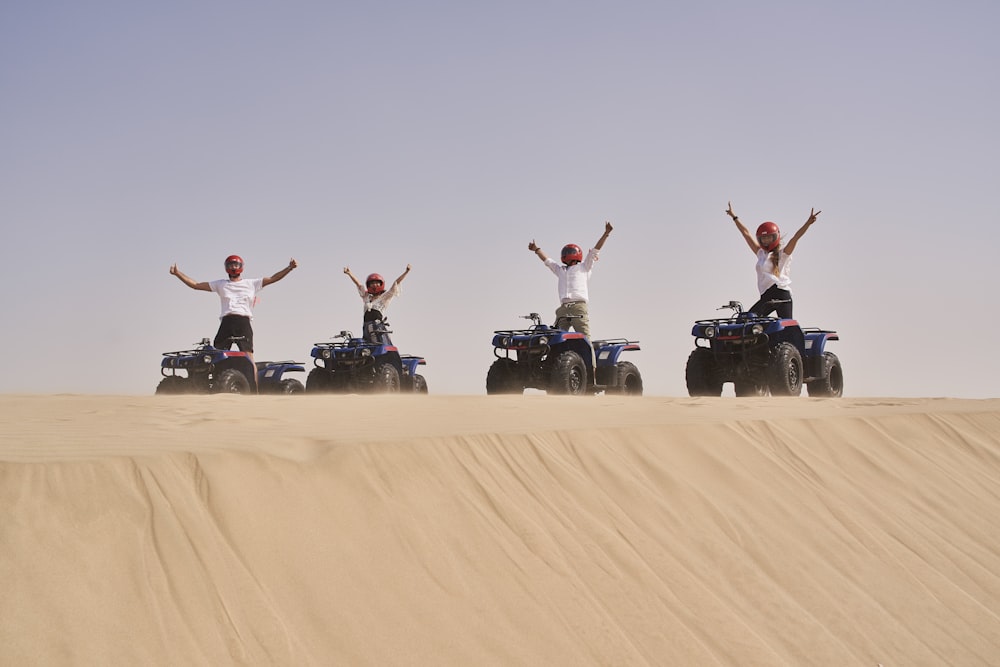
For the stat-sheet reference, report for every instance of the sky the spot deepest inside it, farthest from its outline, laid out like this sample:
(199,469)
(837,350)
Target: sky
(448,135)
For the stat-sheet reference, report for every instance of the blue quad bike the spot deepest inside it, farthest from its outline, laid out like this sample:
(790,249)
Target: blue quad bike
(210,370)
(364,365)
(560,362)
(761,356)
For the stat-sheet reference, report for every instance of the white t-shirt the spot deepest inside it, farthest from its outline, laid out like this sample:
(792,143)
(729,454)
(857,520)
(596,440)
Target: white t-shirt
(238,296)
(380,302)
(765,278)
(573,279)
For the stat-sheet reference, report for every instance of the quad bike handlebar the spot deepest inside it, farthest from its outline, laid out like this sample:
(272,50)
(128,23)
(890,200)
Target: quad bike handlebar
(537,319)
(737,307)
(348,335)
(207,342)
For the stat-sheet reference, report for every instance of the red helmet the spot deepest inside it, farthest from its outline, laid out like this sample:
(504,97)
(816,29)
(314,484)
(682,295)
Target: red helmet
(768,236)
(234,265)
(571,253)
(375,284)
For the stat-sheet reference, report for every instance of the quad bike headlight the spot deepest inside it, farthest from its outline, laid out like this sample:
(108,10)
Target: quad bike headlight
(757,329)
(207,359)
(326,354)
(708,332)
(544,340)
(505,341)
(366,352)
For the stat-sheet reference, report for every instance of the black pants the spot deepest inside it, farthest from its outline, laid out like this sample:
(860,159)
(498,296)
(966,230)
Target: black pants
(235,329)
(374,328)
(774,299)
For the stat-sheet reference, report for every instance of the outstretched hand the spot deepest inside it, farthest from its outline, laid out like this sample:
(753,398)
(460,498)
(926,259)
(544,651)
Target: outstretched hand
(292,264)
(607,227)
(729,211)
(813,214)
(347,270)
(173,269)
(531,246)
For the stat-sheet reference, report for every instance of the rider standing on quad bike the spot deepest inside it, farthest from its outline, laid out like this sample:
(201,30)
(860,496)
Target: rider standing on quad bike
(238,296)
(573,275)
(773,263)
(376,299)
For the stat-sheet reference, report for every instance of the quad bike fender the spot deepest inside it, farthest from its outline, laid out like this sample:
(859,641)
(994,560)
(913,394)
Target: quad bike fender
(609,354)
(390,355)
(787,334)
(410,363)
(578,345)
(814,352)
(273,372)
(815,342)
(239,361)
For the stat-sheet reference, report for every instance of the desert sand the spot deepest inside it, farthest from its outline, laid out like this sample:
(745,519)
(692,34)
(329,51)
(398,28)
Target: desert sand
(474,530)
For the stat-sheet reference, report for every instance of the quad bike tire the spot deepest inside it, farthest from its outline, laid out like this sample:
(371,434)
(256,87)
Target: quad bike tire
(173,384)
(386,379)
(629,380)
(751,387)
(419,384)
(785,370)
(291,386)
(231,381)
(502,378)
(701,374)
(569,375)
(831,385)
(318,381)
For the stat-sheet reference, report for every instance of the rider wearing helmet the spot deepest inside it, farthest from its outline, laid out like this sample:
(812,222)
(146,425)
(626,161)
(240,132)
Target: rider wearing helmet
(773,263)
(573,275)
(376,299)
(238,296)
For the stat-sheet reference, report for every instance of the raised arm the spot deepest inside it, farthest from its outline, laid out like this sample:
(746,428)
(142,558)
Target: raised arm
(790,246)
(538,251)
(402,275)
(747,236)
(357,283)
(174,271)
(280,274)
(604,236)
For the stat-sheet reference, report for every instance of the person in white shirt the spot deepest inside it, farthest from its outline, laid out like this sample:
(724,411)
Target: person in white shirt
(574,275)
(773,264)
(376,299)
(237,295)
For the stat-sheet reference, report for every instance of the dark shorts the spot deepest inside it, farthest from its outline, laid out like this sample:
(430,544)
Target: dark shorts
(235,329)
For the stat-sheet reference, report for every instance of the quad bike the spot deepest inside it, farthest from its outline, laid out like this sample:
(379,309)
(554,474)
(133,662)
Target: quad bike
(371,364)
(560,362)
(761,356)
(209,370)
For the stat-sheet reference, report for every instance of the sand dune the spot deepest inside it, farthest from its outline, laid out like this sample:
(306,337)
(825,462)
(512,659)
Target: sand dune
(499,531)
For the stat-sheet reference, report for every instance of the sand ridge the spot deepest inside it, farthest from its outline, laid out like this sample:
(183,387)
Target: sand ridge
(499,530)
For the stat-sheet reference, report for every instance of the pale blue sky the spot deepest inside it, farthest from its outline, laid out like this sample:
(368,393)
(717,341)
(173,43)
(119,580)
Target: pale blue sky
(450,134)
